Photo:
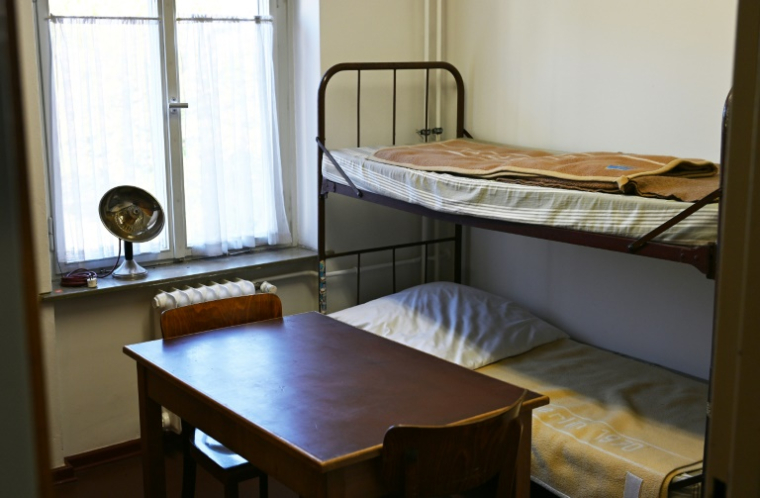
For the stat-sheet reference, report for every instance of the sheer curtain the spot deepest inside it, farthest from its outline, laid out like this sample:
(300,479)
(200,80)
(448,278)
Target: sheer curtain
(107,127)
(108,124)
(231,151)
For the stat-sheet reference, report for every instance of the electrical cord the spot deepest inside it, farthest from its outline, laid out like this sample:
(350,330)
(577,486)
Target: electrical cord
(82,277)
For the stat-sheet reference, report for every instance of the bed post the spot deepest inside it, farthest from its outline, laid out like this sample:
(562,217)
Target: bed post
(461,133)
(321,255)
(322,269)
(458,253)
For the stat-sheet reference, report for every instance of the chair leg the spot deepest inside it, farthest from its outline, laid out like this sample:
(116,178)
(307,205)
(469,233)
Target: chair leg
(263,486)
(188,463)
(188,476)
(231,490)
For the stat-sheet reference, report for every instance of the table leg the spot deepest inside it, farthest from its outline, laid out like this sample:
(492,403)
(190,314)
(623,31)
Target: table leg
(523,455)
(151,435)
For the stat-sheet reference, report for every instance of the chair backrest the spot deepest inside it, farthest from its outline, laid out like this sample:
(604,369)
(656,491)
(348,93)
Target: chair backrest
(435,461)
(221,313)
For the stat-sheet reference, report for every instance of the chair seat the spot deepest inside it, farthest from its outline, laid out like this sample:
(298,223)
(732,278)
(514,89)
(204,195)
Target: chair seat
(217,452)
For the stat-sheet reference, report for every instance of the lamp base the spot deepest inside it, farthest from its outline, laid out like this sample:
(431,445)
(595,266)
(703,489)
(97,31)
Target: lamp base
(130,270)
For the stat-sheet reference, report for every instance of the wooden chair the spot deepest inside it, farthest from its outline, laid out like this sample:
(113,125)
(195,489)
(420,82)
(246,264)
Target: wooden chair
(226,466)
(474,459)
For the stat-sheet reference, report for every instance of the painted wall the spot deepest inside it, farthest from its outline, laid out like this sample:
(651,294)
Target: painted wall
(647,77)
(304,23)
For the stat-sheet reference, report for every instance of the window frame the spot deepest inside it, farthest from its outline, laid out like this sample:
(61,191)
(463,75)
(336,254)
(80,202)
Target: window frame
(173,168)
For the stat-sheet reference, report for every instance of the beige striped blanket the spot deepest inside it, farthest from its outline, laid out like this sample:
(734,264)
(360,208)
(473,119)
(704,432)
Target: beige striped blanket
(612,421)
(646,175)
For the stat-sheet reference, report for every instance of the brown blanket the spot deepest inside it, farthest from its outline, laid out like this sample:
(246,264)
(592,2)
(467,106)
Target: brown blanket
(677,188)
(664,177)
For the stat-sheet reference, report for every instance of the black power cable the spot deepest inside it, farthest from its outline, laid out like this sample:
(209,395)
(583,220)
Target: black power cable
(82,276)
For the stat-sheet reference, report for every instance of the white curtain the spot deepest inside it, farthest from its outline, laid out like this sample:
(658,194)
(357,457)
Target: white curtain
(231,152)
(107,127)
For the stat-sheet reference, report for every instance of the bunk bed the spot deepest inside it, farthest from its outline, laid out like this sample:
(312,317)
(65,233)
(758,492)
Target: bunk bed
(665,229)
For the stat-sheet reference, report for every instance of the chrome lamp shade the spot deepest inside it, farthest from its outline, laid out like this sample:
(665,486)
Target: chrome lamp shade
(133,215)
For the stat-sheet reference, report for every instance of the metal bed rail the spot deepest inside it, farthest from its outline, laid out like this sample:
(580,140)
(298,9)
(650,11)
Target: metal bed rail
(424,245)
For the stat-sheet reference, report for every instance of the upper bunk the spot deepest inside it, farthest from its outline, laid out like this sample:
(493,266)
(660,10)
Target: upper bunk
(654,227)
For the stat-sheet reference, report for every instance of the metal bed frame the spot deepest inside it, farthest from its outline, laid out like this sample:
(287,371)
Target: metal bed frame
(703,257)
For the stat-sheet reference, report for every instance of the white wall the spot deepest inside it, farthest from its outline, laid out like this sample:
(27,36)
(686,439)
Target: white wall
(371,30)
(646,77)
(304,17)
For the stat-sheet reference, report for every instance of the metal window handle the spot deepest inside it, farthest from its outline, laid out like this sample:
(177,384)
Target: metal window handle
(174,106)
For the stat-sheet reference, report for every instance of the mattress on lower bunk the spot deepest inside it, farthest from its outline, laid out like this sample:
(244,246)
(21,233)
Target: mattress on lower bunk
(610,214)
(614,425)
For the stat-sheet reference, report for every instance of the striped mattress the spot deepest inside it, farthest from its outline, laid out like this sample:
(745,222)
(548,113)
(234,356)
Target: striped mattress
(622,215)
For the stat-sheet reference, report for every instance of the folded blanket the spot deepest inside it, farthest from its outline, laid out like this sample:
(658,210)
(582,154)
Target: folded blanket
(676,188)
(595,171)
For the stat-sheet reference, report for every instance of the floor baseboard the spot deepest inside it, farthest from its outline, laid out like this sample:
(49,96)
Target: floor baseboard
(76,463)
(64,474)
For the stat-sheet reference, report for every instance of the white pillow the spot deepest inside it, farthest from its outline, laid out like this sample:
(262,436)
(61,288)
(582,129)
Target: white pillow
(466,326)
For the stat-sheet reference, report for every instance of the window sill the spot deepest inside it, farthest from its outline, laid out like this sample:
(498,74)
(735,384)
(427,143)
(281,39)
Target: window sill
(264,263)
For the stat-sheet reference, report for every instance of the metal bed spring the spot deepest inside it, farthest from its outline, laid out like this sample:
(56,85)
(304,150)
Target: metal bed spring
(703,257)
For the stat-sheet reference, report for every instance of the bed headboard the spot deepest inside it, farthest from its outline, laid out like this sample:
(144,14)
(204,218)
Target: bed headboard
(392,67)
(426,133)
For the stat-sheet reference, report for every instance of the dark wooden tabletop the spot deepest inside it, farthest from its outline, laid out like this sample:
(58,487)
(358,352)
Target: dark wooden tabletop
(323,388)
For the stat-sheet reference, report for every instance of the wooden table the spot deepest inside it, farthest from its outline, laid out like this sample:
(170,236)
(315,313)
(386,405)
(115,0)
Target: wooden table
(308,399)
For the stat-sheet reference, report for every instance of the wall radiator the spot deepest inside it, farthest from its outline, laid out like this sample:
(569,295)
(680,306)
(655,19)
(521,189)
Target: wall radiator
(201,293)
(175,298)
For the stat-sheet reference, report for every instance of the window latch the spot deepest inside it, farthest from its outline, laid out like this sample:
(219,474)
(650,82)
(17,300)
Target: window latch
(175,106)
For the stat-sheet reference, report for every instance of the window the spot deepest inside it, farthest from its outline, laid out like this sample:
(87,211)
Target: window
(113,71)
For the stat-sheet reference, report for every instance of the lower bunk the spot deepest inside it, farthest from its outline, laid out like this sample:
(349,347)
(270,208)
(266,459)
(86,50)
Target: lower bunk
(615,426)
